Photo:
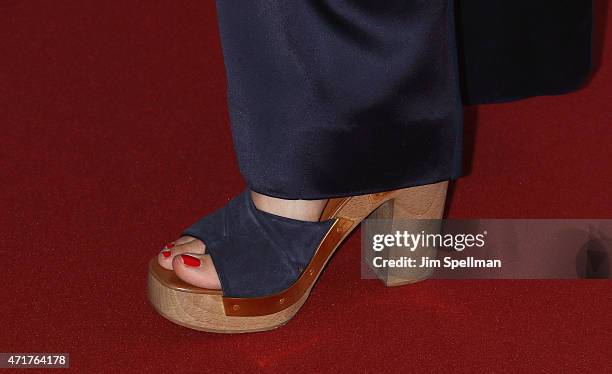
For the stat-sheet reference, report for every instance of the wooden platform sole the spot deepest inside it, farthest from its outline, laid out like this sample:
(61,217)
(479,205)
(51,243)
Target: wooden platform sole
(205,312)
(209,310)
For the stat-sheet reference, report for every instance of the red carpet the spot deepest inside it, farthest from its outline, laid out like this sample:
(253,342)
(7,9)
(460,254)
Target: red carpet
(114,137)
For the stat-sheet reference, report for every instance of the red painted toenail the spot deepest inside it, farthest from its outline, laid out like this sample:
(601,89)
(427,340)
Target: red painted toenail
(190,261)
(166,253)
(170,245)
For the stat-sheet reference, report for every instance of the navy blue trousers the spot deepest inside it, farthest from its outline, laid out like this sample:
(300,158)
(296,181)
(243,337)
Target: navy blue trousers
(331,98)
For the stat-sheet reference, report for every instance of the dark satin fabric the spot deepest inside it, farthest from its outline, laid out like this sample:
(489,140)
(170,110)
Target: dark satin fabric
(332,98)
(342,97)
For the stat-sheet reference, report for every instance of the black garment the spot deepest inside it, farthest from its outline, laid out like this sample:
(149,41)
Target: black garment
(511,49)
(342,97)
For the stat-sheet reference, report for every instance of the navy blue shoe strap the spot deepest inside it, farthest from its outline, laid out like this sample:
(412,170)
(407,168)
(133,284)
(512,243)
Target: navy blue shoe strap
(257,253)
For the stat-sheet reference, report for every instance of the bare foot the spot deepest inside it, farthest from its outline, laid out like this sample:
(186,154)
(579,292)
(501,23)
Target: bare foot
(186,255)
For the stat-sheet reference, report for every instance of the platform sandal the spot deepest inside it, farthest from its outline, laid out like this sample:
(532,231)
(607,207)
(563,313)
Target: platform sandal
(268,264)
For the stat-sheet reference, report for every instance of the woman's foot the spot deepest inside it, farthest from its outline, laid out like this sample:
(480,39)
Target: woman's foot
(186,256)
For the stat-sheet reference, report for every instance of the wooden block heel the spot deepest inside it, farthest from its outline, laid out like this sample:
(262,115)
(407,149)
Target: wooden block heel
(213,311)
(417,203)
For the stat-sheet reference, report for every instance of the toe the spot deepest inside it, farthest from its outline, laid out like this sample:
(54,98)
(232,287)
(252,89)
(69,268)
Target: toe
(167,254)
(197,269)
(184,239)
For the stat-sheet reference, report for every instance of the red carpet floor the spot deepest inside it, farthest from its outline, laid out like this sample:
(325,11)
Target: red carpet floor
(114,137)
